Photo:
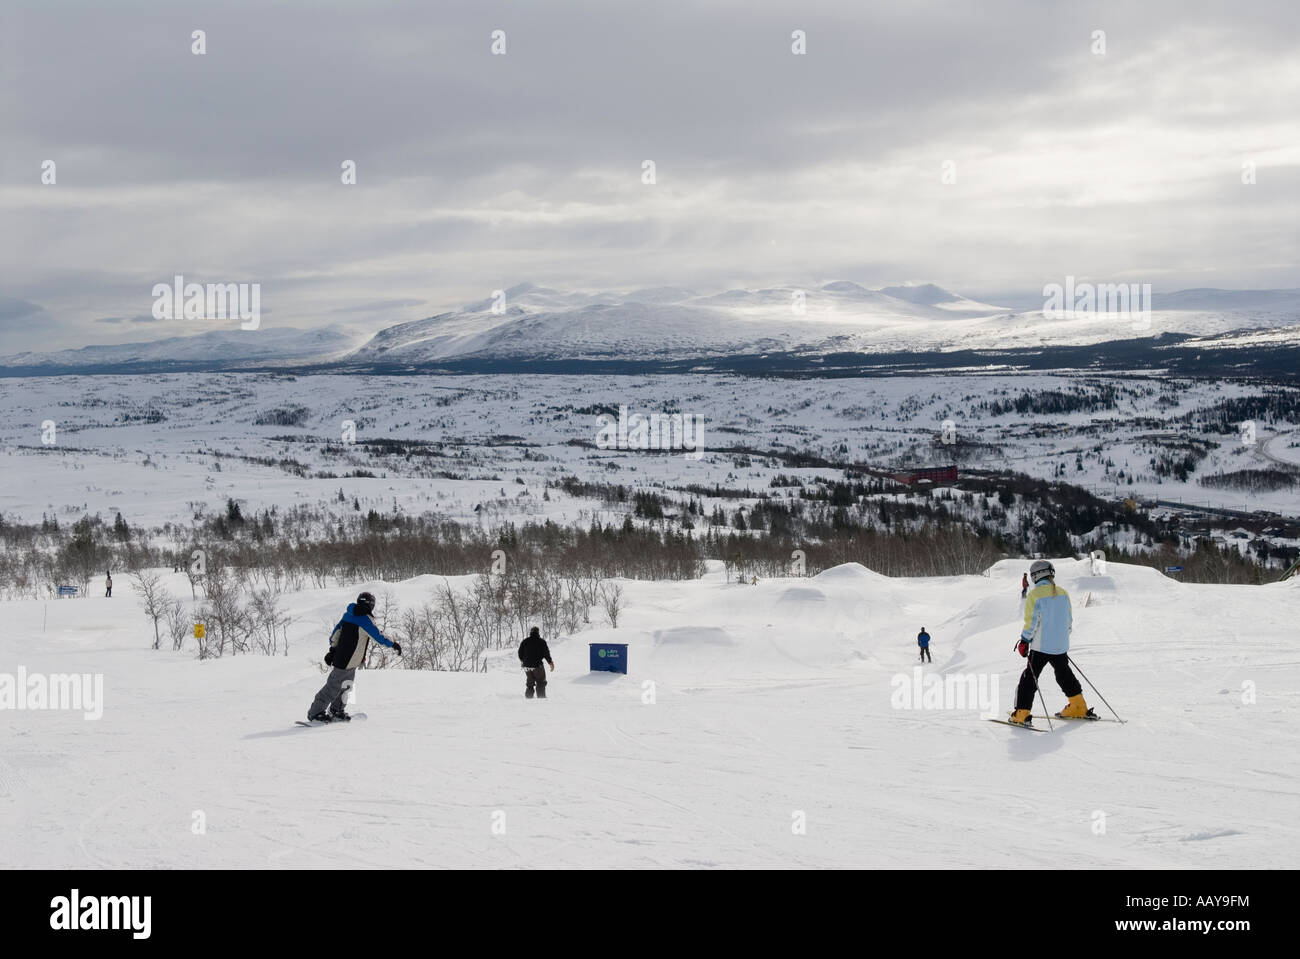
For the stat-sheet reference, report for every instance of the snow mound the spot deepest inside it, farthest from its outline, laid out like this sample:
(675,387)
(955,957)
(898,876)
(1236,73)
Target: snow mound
(800,594)
(848,573)
(693,636)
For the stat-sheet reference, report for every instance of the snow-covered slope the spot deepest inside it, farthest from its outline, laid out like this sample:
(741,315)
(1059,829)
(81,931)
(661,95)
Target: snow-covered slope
(927,294)
(670,322)
(747,710)
(839,317)
(228,348)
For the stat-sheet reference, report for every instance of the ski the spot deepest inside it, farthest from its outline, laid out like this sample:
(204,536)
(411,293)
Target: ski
(333,722)
(1007,722)
(1095,719)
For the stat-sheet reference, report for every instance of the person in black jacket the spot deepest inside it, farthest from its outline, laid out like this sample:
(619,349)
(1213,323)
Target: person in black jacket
(532,652)
(349,643)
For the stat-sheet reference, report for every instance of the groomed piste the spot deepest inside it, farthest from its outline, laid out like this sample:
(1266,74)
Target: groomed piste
(758,726)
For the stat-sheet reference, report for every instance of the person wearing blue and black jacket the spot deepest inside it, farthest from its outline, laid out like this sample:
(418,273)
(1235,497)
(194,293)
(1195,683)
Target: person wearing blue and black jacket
(349,643)
(923,640)
(1045,639)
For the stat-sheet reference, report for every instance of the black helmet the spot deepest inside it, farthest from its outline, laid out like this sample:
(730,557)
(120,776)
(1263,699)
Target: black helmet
(365,604)
(535,632)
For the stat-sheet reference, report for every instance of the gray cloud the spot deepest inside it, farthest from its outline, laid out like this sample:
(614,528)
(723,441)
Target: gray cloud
(378,305)
(475,172)
(138,318)
(12,311)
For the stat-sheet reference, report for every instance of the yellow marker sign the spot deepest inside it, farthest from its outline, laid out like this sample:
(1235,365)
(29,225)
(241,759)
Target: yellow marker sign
(199,631)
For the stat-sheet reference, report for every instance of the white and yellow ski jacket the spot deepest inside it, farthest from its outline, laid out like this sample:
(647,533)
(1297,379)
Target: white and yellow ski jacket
(1048,618)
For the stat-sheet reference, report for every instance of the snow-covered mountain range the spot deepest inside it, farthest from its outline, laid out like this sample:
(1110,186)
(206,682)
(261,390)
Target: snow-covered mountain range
(667,322)
(222,349)
(839,317)
(677,325)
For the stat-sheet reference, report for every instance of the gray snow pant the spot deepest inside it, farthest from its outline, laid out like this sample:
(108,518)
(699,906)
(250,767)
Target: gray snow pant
(330,697)
(536,677)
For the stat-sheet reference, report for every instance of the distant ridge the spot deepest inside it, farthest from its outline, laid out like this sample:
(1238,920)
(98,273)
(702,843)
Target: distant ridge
(674,327)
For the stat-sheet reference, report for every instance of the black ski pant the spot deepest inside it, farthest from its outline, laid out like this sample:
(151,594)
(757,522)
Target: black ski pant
(925,655)
(536,677)
(1065,677)
(330,697)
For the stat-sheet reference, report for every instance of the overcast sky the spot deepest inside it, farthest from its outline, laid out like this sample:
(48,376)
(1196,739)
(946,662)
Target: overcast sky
(477,171)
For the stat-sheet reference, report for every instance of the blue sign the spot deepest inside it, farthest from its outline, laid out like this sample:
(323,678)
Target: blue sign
(609,657)
(1173,569)
(67,591)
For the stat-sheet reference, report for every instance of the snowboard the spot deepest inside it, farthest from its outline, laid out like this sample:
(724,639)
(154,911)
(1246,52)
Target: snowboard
(355,718)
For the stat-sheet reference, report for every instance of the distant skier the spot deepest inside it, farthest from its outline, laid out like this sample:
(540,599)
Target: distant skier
(349,643)
(108,583)
(923,640)
(1046,639)
(1024,585)
(532,652)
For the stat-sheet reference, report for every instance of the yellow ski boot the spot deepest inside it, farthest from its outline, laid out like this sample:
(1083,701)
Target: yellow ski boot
(1019,717)
(1076,708)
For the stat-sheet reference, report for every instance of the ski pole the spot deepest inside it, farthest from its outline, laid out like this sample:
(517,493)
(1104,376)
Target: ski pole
(1094,688)
(1029,667)
(1039,689)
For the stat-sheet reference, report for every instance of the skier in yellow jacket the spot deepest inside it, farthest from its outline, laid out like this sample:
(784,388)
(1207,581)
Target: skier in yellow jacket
(1046,639)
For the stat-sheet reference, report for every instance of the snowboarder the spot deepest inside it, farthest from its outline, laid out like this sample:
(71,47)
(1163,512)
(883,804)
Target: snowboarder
(532,651)
(349,643)
(1046,639)
(108,583)
(923,640)
(1024,585)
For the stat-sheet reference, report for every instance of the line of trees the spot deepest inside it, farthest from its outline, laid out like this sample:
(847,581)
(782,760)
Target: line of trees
(660,534)
(1252,480)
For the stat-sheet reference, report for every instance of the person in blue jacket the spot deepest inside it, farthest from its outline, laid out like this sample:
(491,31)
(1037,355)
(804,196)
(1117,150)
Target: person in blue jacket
(1046,639)
(349,643)
(923,640)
